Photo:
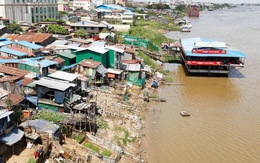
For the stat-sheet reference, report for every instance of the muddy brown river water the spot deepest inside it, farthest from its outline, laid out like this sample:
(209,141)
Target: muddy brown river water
(224,125)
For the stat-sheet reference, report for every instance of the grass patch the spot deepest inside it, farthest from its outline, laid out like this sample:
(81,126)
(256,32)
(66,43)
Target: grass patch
(148,60)
(78,137)
(106,153)
(31,160)
(49,115)
(91,146)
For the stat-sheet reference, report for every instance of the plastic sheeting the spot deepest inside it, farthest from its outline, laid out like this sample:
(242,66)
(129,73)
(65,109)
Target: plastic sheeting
(12,137)
(41,125)
(59,96)
(32,99)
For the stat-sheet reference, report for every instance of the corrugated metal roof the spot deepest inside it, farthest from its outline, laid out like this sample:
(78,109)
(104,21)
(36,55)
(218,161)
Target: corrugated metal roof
(188,45)
(67,55)
(54,84)
(115,49)
(13,71)
(43,63)
(22,50)
(58,60)
(88,24)
(89,63)
(33,37)
(30,45)
(4,43)
(63,76)
(12,52)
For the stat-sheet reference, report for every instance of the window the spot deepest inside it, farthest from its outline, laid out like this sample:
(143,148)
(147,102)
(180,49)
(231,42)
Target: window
(36,10)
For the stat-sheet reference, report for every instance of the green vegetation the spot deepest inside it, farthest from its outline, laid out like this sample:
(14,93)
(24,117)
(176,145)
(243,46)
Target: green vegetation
(14,27)
(49,116)
(56,29)
(54,20)
(9,103)
(106,153)
(92,147)
(31,160)
(78,137)
(181,8)
(158,6)
(148,61)
(81,33)
(126,139)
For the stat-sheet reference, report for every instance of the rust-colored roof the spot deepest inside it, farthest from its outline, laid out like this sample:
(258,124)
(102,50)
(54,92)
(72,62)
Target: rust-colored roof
(58,60)
(133,61)
(14,73)
(22,50)
(26,81)
(32,37)
(3,57)
(89,63)
(16,99)
(126,49)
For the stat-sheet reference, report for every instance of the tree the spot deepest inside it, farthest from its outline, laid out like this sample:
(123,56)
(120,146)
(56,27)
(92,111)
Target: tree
(56,29)
(14,27)
(9,103)
(81,33)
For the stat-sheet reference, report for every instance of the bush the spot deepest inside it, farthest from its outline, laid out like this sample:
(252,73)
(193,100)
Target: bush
(106,153)
(95,148)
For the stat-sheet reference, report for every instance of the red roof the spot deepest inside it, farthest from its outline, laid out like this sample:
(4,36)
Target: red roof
(22,50)
(89,63)
(32,37)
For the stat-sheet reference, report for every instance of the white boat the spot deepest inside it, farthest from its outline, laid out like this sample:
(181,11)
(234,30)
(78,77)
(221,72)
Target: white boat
(185,28)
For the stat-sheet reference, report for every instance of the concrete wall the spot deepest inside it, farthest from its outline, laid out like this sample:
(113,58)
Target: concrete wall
(121,28)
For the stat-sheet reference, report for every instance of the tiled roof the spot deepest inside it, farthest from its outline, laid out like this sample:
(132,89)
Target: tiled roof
(89,63)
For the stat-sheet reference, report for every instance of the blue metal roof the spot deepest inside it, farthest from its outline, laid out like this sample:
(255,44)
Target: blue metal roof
(111,7)
(5,42)
(30,61)
(30,45)
(12,52)
(43,63)
(188,45)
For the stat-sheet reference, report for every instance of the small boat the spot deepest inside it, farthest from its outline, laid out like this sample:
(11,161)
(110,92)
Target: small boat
(185,28)
(185,113)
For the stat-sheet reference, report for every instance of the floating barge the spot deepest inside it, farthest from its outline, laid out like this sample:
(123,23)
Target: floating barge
(201,55)
(193,11)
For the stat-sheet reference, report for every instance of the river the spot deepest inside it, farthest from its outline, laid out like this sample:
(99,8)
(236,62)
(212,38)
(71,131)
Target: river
(224,125)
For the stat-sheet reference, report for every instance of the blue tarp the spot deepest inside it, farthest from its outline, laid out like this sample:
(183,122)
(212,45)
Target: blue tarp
(59,96)
(188,45)
(12,137)
(68,67)
(32,99)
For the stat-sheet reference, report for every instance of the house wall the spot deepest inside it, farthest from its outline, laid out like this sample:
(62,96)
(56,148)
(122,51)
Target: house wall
(111,59)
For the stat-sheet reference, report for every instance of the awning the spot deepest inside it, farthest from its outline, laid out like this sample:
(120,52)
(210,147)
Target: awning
(12,137)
